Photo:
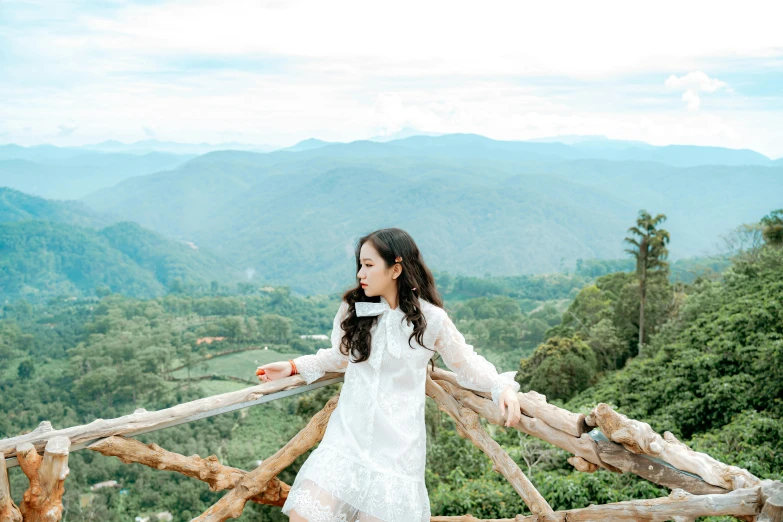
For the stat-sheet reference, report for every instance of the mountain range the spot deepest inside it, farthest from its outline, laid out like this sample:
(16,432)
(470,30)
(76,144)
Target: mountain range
(54,248)
(476,206)
(65,173)
(172,147)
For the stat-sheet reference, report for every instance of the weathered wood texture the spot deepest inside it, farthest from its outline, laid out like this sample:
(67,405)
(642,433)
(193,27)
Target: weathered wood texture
(534,405)
(582,465)
(233,503)
(639,437)
(142,421)
(611,456)
(9,512)
(582,446)
(632,441)
(209,470)
(678,505)
(616,455)
(42,502)
(772,496)
(468,426)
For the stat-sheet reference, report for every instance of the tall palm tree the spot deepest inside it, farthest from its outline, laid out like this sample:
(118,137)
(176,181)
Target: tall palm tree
(649,248)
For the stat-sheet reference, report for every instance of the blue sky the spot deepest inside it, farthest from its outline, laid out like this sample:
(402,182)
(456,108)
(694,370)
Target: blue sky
(275,72)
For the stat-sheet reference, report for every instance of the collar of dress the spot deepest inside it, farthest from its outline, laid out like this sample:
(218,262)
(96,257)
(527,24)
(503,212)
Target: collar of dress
(397,329)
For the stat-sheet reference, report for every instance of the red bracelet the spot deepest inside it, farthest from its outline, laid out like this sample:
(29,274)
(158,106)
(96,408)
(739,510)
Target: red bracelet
(293,367)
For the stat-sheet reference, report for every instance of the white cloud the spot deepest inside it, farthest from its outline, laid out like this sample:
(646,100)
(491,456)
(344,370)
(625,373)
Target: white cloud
(694,81)
(277,72)
(440,37)
(430,114)
(693,84)
(692,100)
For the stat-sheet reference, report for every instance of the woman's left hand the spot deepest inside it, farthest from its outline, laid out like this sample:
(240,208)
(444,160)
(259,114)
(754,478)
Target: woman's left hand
(509,407)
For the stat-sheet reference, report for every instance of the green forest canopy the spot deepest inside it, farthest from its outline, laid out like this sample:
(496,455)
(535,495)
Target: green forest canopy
(711,375)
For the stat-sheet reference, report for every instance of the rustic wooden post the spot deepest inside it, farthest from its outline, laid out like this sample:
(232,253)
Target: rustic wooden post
(143,421)
(233,503)
(43,499)
(638,437)
(209,470)
(721,490)
(534,405)
(468,426)
(772,496)
(8,510)
(679,506)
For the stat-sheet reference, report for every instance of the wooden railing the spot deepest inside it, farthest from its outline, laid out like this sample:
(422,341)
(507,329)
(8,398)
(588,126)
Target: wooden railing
(701,486)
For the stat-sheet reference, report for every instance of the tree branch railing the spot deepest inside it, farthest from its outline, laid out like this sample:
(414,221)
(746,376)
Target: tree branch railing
(701,485)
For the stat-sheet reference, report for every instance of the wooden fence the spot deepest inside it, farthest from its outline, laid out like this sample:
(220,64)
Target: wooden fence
(701,485)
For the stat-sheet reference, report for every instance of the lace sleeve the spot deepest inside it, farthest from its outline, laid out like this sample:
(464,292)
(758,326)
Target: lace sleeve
(473,370)
(313,367)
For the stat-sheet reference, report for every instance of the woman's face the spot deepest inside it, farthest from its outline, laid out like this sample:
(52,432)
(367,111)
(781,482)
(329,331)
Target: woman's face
(375,278)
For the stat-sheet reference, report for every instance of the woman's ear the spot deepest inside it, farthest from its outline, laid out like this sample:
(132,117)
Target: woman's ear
(396,270)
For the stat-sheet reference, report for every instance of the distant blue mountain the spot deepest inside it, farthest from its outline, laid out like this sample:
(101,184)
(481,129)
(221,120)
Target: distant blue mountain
(601,147)
(147,146)
(447,147)
(70,173)
(563,148)
(308,144)
(692,156)
(481,204)
(38,153)
(476,146)
(407,132)
(589,142)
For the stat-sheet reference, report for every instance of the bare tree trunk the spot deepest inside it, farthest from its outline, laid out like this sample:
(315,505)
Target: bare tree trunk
(209,470)
(679,505)
(638,437)
(772,495)
(642,301)
(42,501)
(8,510)
(469,427)
(255,482)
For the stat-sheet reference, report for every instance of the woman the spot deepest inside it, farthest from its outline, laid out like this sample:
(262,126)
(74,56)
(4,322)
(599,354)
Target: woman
(369,466)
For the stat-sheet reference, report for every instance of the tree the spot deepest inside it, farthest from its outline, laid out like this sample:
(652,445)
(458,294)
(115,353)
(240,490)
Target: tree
(773,227)
(560,368)
(26,369)
(275,328)
(610,351)
(649,249)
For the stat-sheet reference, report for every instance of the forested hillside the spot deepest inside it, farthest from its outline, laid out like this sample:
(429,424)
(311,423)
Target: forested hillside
(40,260)
(63,249)
(18,206)
(479,206)
(709,372)
(73,361)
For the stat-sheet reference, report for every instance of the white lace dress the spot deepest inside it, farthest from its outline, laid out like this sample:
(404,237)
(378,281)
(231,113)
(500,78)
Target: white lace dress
(369,466)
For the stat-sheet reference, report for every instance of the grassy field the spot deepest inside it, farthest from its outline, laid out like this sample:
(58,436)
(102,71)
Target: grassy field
(242,365)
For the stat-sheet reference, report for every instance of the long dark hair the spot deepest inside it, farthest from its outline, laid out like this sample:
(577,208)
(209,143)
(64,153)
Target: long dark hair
(390,243)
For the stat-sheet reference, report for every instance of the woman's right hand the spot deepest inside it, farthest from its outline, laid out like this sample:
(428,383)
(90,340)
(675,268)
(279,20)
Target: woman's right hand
(273,371)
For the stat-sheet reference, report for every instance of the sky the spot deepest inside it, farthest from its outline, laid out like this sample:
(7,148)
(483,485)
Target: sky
(278,71)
